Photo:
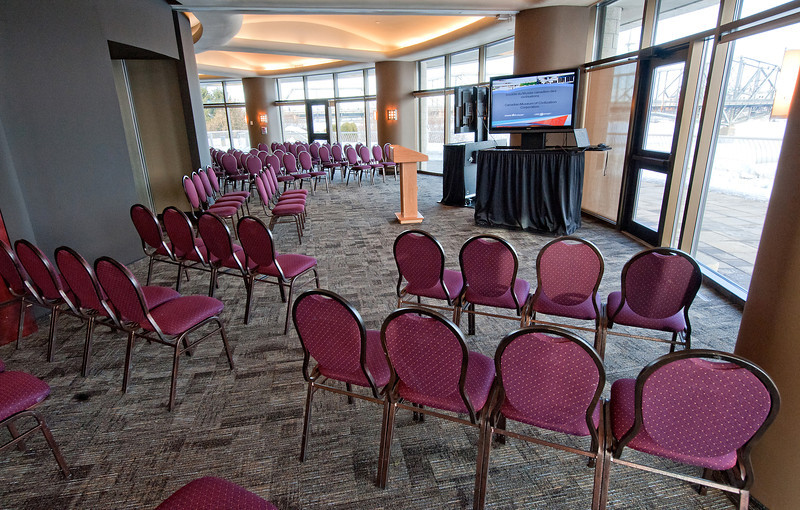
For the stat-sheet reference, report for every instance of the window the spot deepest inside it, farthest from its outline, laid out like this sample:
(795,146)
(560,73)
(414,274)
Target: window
(372,117)
(499,59)
(464,68)
(320,86)
(372,88)
(432,131)
(679,18)
(291,89)
(620,27)
(293,121)
(352,122)
(350,84)
(431,74)
(223,108)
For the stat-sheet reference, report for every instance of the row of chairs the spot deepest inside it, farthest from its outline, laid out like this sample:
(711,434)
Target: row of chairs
(698,407)
(253,260)
(658,285)
(108,294)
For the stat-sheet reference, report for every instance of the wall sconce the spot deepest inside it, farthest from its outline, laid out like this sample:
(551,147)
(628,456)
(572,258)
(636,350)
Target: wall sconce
(784,85)
(391,114)
(262,118)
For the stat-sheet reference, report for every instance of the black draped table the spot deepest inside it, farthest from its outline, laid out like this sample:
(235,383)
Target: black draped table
(534,190)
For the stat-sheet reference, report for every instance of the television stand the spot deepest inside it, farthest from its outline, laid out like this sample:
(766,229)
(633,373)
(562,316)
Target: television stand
(533,141)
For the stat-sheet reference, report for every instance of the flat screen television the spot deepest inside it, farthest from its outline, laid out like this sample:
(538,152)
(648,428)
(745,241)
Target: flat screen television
(536,103)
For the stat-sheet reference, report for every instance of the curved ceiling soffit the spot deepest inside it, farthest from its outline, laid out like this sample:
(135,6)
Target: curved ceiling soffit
(218,30)
(312,33)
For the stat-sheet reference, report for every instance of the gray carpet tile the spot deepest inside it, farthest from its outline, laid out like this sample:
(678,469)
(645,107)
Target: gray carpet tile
(127,451)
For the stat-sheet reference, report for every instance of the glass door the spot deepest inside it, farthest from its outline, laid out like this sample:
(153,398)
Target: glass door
(656,125)
(319,122)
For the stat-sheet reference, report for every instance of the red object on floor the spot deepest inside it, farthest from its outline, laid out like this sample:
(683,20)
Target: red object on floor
(9,315)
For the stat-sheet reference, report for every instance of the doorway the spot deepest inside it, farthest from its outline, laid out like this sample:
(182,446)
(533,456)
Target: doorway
(319,121)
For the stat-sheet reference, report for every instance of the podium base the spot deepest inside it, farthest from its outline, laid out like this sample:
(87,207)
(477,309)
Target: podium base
(408,219)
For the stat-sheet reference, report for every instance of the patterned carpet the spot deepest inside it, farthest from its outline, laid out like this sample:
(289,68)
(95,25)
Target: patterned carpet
(128,451)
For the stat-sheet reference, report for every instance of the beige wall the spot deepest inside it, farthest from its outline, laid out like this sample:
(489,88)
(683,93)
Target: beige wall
(259,98)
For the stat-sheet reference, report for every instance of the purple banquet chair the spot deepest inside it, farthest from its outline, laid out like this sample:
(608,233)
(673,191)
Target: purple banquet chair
(552,380)
(697,407)
(332,332)
(13,277)
(263,264)
(307,165)
(568,274)
(187,249)
(658,286)
(292,210)
(354,166)
(375,165)
(170,323)
(388,158)
(489,266)
(432,368)
(20,394)
(152,237)
(420,262)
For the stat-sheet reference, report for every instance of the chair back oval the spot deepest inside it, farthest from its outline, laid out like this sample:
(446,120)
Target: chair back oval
(419,258)
(305,160)
(146,223)
(206,182)
(11,272)
(262,156)
(274,161)
(253,165)
(262,146)
(388,152)
(569,270)
(216,238)
(660,282)
(81,279)
(191,192)
(123,290)
(550,378)
(43,275)
(377,153)
(199,188)
(489,265)
(290,163)
(352,157)
(180,231)
(313,149)
(256,240)
(229,164)
(263,192)
(704,403)
(325,155)
(336,153)
(364,154)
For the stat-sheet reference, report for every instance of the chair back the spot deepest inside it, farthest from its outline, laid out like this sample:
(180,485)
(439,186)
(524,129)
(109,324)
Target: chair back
(217,238)
(332,332)
(229,164)
(364,154)
(325,155)
(352,157)
(12,273)
(123,290)
(268,176)
(388,153)
(44,277)
(314,150)
(569,271)
(703,403)
(81,279)
(660,282)
(550,378)
(148,227)
(290,163)
(191,192)
(213,179)
(206,182)
(427,354)
(489,265)
(336,153)
(274,161)
(306,163)
(262,156)
(263,192)
(262,146)
(377,153)
(181,233)
(199,188)
(253,165)
(257,242)
(420,260)
(293,148)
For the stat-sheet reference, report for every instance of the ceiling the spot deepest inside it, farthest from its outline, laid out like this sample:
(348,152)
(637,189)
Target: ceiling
(241,38)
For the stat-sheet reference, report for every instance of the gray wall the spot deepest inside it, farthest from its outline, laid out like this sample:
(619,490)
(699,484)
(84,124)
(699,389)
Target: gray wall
(65,139)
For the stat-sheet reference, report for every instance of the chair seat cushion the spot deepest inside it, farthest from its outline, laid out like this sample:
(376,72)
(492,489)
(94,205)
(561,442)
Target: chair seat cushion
(288,209)
(223,210)
(211,493)
(237,177)
(622,418)
(331,165)
(376,364)
(295,192)
(521,289)
(480,375)
(284,178)
(582,310)
(230,200)
(230,262)
(243,194)
(179,314)
(292,199)
(156,295)
(292,264)
(161,250)
(300,175)
(452,280)
(19,391)
(628,317)
(318,174)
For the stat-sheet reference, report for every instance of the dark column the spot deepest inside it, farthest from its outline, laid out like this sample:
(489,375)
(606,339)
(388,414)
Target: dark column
(395,83)
(769,331)
(259,98)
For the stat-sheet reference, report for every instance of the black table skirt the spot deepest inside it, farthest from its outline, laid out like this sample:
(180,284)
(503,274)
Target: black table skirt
(536,191)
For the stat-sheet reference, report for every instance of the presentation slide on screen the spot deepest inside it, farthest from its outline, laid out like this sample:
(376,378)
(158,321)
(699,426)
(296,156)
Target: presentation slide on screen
(531,101)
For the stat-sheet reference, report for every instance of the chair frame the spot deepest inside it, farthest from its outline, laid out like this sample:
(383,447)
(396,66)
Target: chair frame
(683,338)
(25,300)
(392,400)
(313,378)
(18,439)
(469,308)
(452,304)
(493,422)
(744,466)
(598,311)
(134,331)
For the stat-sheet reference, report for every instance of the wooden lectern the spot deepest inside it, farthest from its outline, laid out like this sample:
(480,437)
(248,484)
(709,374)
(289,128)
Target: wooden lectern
(407,160)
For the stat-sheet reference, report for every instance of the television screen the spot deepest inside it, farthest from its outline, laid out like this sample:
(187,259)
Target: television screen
(533,102)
